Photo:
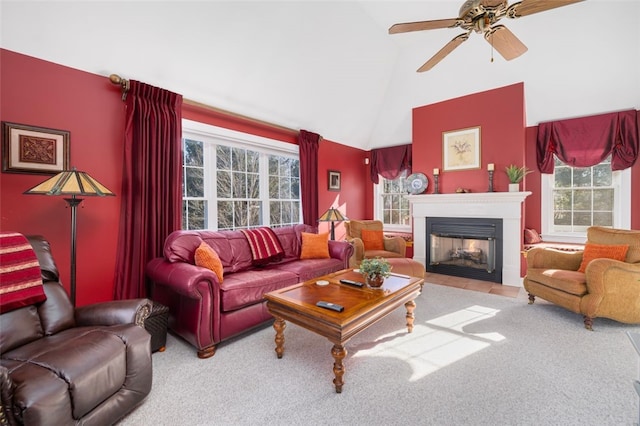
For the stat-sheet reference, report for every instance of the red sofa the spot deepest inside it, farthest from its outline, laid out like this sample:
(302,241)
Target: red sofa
(205,312)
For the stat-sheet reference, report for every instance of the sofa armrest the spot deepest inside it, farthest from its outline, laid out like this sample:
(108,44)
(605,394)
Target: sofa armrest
(341,250)
(358,252)
(613,288)
(131,311)
(183,278)
(544,258)
(396,245)
(6,398)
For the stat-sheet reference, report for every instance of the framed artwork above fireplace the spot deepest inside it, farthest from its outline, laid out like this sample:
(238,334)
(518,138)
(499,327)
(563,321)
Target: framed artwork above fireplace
(461,149)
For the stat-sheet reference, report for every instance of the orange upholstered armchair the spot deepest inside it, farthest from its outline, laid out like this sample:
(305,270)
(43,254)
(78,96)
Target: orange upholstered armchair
(601,281)
(369,241)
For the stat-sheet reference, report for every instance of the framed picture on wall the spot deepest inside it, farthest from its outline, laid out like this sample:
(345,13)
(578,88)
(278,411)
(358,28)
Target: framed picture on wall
(461,149)
(334,180)
(30,149)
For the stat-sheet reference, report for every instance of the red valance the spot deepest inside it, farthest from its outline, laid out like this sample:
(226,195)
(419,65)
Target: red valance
(587,141)
(390,162)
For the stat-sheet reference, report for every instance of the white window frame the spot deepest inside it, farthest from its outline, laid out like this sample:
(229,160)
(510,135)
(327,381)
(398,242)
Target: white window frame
(210,136)
(377,211)
(621,182)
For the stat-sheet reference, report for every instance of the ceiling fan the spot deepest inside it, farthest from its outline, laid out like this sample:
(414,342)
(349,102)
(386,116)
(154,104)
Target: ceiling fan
(480,16)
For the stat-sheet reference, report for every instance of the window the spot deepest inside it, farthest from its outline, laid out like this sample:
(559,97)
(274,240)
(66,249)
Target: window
(234,180)
(575,198)
(392,206)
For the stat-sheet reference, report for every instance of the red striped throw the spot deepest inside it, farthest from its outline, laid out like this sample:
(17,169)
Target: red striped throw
(264,243)
(20,277)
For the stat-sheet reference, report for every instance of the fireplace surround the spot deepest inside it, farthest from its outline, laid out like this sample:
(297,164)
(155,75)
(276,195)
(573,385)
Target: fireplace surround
(489,205)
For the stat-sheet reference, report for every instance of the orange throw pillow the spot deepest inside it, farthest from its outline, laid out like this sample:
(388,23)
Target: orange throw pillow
(315,246)
(595,251)
(207,257)
(372,240)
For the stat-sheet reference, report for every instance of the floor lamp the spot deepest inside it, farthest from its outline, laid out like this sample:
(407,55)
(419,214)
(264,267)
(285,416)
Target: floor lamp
(74,184)
(332,215)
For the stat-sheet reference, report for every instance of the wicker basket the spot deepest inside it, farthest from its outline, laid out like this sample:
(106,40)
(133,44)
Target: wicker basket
(156,324)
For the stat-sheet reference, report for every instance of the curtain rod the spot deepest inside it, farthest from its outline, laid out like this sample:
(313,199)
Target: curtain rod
(125,86)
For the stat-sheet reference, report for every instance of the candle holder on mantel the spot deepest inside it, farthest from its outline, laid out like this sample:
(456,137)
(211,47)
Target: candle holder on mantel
(490,181)
(435,184)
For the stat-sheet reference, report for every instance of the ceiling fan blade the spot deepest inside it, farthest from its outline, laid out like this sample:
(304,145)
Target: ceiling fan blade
(424,25)
(448,48)
(505,42)
(529,7)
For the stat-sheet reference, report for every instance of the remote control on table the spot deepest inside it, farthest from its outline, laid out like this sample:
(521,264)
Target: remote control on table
(329,305)
(350,282)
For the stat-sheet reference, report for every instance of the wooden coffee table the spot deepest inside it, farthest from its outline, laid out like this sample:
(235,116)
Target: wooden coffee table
(362,307)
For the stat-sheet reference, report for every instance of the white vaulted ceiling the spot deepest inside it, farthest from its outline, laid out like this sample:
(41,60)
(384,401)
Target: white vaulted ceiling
(330,66)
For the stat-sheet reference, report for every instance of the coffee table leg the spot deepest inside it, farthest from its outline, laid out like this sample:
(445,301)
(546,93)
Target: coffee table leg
(410,305)
(279,325)
(338,352)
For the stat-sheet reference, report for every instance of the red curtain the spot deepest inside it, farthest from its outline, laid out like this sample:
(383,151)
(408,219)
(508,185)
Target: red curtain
(308,143)
(152,183)
(585,142)
(390,162)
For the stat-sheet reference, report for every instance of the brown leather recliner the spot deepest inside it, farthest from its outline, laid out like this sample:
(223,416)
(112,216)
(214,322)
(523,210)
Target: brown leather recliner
(60,366)
(607,288)
(393,246)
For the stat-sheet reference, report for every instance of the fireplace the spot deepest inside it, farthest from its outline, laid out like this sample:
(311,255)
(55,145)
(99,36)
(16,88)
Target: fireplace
(470,248)
(506,206)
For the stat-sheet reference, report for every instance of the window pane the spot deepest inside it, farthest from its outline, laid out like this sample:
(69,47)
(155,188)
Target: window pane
(562,200)
(603,199)
(196,214)
(602,175)
(581,176)
(582,199)
(253,184)
(562,177)
(224,184)
(194,182)
(253,162)
(193,153)
(225,215)
(223,157)
(274,212)
(582,219)
(238,159)
(255,213)
(240,214)
(603,218)
(239,185)
(561,218)
(274,187)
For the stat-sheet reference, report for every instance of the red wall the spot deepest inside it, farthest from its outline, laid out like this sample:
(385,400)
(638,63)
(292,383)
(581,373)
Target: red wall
(40,93)
(500,115)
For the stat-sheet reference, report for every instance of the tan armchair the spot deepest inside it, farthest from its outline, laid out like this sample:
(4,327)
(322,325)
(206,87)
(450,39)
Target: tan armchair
(608,288)
(393,246)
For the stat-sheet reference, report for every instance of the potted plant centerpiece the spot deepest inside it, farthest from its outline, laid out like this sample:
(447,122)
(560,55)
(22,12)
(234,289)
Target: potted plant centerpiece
(375,270)
(515,175)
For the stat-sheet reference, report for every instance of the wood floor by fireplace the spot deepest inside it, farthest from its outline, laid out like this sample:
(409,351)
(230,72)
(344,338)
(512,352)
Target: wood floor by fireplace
(465,247)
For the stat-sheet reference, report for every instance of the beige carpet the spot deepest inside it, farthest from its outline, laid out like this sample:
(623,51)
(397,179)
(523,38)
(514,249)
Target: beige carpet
(473,359)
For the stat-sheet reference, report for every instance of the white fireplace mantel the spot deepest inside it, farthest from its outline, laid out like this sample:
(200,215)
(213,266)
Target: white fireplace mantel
(489,205)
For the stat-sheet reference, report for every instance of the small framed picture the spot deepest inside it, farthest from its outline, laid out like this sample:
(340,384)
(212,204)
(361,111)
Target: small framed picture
(30,149)
(334,180)
(461,149)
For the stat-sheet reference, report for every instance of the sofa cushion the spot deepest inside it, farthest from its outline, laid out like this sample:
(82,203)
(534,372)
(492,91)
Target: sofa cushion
(595,251)
(245,288)
(291,239)
(572,282)
(207,257)
(307,269)
(372,239)
(315,246)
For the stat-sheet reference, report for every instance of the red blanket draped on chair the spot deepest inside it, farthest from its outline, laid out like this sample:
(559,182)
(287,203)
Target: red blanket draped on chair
(20,276)
(264,243)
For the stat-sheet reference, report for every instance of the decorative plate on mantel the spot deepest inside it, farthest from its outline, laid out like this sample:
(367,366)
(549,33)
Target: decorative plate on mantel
(417,183)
